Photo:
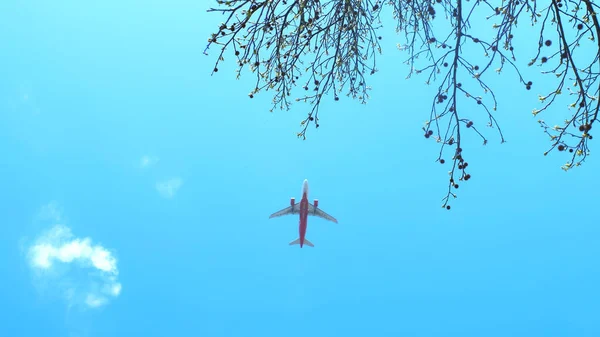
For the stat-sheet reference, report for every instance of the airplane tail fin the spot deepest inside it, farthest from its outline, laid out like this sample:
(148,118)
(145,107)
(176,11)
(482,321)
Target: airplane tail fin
(297,242)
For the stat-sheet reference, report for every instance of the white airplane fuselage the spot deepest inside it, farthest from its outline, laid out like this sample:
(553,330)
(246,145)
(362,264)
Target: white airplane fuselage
(303,224)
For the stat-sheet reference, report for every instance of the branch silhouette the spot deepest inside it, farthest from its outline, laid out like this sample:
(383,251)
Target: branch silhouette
(329,47)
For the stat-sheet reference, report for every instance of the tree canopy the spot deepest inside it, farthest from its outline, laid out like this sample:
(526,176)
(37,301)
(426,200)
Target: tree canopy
(330,47)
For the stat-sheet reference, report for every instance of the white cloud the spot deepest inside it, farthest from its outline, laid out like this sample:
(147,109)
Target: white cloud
(51,211)
(169,188)
(57,256)
(147,161)
(93,301)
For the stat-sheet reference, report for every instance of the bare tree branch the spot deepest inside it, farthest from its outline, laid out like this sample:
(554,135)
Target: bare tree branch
(329,46)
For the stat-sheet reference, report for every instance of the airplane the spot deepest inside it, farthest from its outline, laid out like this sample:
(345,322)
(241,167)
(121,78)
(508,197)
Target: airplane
(304,209)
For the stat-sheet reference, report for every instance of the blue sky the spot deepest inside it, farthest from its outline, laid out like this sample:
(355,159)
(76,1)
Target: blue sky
(112,127)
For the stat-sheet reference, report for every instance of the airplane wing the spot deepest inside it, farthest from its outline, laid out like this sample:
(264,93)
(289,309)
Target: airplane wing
(286,211)
(312,210)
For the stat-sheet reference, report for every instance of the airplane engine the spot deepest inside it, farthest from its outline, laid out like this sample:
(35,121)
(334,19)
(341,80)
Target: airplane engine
(316,203)
(292,201)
